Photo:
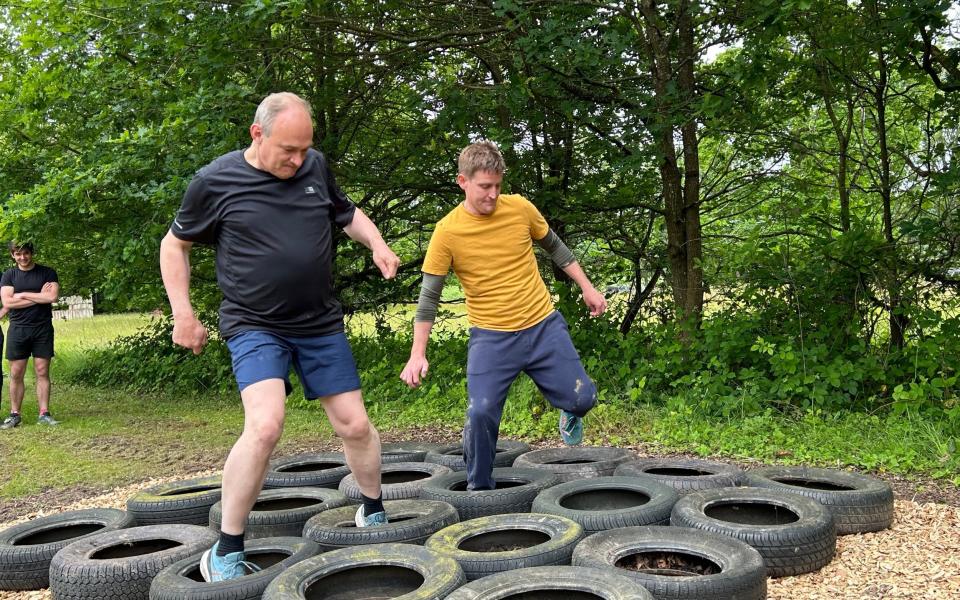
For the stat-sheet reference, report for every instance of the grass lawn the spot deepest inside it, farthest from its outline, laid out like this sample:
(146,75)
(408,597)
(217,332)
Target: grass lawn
(110,437)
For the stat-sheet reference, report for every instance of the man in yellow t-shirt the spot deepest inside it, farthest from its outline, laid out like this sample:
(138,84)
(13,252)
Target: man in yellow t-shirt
(488,240)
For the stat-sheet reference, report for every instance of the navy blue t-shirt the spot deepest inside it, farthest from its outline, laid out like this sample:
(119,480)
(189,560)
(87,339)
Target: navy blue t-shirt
(30,281)
(273,240)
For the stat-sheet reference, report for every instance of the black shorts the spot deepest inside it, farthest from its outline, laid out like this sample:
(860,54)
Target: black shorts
(24,341)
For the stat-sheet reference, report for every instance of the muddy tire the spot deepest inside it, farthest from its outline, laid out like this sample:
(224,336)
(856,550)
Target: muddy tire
(26,548)
(409,451)
(515,492)
(185,502)
(609,502)
(575,463)
(283,512)
(794,534)
(121,564)
(398,481)
(182,580)
(498,543)
(452,456)
(398,571)
(532,582)
(685,475)
(678,563)
(859,503)
(411,522)
(315,469)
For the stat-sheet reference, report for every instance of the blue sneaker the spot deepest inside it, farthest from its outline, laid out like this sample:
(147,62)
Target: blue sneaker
(221,568)
(571,428)
(377,518)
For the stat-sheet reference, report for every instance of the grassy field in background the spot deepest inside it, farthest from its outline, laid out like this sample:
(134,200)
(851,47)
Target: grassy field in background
(109,437)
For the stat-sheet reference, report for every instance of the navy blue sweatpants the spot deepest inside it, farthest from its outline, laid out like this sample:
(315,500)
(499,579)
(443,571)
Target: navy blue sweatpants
(494,359)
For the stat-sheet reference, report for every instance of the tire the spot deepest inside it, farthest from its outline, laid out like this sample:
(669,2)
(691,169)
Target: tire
(318,469)
(532,540)
(398,481)
(26,549)
(452,456)
(609,502)
(283,512)
(516,489)
(411,522)
(576,462)
(859,503)
(398,571)
(794,534)
(685,475)
(704,565)
(409,451)
(531,582)
(121,564)
(185,502)
(182,580)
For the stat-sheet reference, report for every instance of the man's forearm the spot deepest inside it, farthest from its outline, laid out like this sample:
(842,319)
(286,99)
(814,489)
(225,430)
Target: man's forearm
(421,337)
(17,303)
(362,230)
(575,272)
(175,272)
(37,297)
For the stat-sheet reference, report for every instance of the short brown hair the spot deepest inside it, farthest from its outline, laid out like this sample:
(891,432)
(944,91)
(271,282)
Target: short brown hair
(480,156)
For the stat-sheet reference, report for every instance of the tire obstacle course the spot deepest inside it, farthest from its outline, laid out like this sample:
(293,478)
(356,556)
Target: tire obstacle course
(582,523)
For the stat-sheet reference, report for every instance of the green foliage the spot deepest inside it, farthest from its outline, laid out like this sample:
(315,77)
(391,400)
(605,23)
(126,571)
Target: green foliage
(148,361)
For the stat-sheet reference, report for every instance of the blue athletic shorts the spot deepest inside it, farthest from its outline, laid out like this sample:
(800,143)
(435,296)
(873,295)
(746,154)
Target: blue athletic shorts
(324,364)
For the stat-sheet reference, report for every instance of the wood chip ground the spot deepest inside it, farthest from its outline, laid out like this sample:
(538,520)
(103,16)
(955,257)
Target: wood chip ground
(917,559)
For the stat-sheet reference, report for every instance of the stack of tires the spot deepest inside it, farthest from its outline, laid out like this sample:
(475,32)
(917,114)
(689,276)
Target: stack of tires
(586,522)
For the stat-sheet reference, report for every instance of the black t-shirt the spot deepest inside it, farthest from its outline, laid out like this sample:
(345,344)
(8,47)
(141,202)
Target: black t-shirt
(274,242)
(30,281)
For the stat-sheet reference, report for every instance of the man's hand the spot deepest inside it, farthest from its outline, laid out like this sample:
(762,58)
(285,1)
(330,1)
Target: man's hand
(190,333)
(47,287)
(386,261)
(594,301)
(415,371)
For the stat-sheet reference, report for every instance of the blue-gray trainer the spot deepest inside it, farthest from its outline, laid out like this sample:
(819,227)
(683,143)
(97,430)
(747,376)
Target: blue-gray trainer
(221,568)
(377,518)
(571,428)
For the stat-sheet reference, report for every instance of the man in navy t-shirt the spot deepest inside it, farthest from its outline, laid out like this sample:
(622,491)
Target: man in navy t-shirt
(270,211)
(28,290)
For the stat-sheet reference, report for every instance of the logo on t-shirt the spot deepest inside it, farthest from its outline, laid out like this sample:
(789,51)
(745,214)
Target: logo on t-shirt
(309,190)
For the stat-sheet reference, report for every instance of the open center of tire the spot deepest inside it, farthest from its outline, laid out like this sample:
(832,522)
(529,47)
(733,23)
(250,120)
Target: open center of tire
(191,490)
(570,461)
(751,513)
(552,595)
(677,472)
(402,476)
(503,541)
(134,548)
(374,582)
(285,504)
(309,467)
(814,485)
(670,563)
(604,500)
(59,534)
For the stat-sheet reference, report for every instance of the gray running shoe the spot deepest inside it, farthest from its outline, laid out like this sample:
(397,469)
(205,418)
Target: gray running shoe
(10,422)
(47,420)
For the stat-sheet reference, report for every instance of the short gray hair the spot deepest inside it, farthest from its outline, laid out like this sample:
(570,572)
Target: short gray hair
(481,156)
(273,105)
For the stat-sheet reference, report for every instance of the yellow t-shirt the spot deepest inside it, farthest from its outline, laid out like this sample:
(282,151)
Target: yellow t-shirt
(492,256)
